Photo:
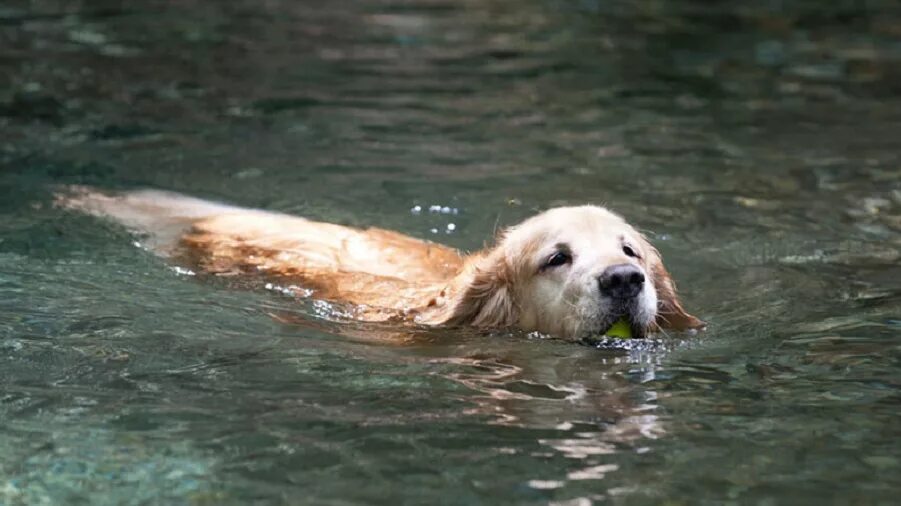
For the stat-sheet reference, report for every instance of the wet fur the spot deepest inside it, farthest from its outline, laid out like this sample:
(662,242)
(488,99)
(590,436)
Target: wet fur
(385,275)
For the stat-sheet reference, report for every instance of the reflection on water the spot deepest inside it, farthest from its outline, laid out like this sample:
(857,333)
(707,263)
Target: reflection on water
(756,143)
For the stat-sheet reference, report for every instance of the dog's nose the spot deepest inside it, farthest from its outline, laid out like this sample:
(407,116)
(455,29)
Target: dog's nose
(621,281)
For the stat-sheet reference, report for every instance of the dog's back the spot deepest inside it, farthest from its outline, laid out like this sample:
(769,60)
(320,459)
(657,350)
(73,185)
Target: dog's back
(371,267)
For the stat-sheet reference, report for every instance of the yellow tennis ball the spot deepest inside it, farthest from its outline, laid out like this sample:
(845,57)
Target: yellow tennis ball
(620,329)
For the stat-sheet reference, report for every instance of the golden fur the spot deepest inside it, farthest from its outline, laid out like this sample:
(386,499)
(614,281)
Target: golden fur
(388,276)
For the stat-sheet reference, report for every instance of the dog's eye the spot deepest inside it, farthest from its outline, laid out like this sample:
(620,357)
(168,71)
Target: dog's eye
(630,252)
(558,258)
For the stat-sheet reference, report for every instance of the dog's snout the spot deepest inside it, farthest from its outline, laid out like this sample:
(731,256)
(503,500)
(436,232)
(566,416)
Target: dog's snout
(621,281)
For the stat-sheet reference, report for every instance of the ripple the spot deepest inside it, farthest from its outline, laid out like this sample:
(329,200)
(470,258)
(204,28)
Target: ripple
(759,154)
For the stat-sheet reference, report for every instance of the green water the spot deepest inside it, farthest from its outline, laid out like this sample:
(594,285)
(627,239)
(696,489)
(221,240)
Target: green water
(758,143)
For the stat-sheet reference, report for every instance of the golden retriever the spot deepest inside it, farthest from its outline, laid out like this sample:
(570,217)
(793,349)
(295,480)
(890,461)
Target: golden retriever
(571,272)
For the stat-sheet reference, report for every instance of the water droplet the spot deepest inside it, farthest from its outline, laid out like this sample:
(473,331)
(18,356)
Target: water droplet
(181,271)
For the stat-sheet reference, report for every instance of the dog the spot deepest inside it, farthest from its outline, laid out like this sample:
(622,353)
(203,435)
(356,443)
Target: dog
(570,272)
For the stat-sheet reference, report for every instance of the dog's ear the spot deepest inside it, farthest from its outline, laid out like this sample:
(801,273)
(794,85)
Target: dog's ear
(670,313)
(485,296)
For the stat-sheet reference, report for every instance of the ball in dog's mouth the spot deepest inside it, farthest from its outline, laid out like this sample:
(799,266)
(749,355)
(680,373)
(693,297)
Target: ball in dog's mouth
(621,328)
(625,328)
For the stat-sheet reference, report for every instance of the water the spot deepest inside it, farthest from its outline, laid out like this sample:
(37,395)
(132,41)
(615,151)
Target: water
(757,143)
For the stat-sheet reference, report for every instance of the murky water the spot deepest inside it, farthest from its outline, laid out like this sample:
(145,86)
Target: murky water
(758,142)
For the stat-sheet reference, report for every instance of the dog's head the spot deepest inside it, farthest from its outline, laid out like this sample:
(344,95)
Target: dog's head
(571,272)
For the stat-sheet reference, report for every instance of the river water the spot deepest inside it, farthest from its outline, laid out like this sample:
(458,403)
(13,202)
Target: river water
(757,143)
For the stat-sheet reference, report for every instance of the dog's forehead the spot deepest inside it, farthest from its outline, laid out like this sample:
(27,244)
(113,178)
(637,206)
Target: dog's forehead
(592,221)
(579,216)
(575,226)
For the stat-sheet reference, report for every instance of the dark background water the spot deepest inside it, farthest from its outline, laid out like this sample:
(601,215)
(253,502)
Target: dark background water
(758,142)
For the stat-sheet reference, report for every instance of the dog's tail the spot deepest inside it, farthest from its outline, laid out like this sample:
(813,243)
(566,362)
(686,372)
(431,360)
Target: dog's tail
(160,216)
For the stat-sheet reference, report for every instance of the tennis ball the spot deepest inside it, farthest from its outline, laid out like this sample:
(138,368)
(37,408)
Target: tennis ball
(620,329)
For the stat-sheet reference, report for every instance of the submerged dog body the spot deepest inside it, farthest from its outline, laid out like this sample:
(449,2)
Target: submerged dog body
(569,271)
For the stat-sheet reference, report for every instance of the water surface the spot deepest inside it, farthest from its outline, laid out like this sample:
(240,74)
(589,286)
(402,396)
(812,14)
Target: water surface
(757,144)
